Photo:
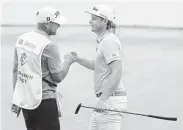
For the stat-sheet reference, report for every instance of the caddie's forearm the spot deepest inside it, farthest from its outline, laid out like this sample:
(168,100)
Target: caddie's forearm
(66,66)
(14,79)
(86,63)
(111,84)
(15,70)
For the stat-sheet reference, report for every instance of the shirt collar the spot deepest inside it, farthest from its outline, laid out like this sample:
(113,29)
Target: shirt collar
(99,39)
(42,32)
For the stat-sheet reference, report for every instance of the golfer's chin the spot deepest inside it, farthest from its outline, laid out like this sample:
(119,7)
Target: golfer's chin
(93,29)
(53,33)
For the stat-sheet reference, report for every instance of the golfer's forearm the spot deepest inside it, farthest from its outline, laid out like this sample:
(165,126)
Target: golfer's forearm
(86,63)
(111,84)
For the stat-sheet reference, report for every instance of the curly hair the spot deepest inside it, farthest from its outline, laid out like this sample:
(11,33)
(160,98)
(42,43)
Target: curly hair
(111,26)
(41,26)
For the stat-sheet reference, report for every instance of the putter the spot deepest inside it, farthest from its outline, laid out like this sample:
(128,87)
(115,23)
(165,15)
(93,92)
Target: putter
(152,116)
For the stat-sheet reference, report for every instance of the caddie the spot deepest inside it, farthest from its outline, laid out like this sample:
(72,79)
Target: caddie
(37,70)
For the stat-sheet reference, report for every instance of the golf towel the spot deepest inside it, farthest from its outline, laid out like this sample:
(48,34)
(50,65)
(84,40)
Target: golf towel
(59,103)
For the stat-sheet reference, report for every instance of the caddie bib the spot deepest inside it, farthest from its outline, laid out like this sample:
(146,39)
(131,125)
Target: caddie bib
(28,88)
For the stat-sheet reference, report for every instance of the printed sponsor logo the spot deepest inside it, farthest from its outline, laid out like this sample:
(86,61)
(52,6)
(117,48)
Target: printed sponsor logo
(95,9)
(48,18)
(23,58)
(26,44)
(115,54)
(23,77)
(57,14)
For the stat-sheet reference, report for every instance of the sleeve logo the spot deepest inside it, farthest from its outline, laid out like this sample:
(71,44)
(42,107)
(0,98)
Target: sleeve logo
(115,54)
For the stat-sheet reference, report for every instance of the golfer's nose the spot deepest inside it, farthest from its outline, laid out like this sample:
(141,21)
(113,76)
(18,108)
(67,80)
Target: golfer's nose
(90,22)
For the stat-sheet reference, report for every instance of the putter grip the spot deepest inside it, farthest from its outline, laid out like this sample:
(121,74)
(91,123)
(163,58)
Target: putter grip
(164,118)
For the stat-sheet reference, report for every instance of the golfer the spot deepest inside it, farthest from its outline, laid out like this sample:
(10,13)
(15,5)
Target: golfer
(108,79)
(37,70)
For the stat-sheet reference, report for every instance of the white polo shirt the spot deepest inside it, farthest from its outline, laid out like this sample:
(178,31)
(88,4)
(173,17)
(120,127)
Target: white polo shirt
(108,49)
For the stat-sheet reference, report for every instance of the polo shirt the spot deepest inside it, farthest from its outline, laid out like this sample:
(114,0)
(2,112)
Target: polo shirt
(108,49)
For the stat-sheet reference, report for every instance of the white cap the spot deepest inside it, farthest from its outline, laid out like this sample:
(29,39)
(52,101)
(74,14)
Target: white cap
(103,11)
(48,14)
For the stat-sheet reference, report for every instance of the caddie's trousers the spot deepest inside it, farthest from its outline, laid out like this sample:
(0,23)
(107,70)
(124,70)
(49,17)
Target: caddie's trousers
(44,117)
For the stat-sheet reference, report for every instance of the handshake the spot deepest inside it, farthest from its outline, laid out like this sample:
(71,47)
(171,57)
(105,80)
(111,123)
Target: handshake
(71,57)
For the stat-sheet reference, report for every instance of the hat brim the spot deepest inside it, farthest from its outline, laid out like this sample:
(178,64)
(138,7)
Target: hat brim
(95,13)
(91,12)
(60,20)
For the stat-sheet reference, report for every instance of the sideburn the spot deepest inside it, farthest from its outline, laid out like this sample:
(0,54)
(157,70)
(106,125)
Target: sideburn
(43,27)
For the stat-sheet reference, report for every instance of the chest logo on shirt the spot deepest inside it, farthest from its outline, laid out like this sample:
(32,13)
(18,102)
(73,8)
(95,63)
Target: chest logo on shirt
(23,58)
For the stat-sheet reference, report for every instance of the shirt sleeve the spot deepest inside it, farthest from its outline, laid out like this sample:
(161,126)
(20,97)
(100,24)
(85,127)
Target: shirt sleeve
(53,58)
(111,50)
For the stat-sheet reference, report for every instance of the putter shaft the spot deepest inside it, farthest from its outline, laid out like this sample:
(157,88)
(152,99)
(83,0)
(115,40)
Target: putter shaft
(146,115)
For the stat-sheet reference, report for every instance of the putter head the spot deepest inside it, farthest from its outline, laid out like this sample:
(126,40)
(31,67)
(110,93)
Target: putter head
(78,108)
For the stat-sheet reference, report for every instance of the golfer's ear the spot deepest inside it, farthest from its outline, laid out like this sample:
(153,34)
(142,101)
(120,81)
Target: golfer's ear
(46,25)
(105,21)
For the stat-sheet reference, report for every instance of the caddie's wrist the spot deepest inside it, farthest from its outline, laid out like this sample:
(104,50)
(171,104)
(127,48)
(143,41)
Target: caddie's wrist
(75,59)
(78,59)
(68,61)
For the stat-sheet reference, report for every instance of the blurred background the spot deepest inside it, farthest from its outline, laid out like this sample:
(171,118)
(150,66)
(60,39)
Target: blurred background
(151,34)
(163,14)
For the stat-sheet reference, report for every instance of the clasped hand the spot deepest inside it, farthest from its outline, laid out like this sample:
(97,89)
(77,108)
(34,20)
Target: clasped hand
(100,105)
(71,57)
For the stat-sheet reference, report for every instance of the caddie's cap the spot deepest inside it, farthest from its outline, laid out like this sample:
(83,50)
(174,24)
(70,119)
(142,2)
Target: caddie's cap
(49,14)
(103,11)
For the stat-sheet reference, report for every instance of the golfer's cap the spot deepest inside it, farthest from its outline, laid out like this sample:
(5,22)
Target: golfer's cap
(49,14)
(103,11)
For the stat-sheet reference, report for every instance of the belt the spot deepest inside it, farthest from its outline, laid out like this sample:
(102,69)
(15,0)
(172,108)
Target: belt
(116,93)
(51,84)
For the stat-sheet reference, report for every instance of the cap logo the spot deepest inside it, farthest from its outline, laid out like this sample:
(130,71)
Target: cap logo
(48,18)
(37,13)
(57,14)
(95,9)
